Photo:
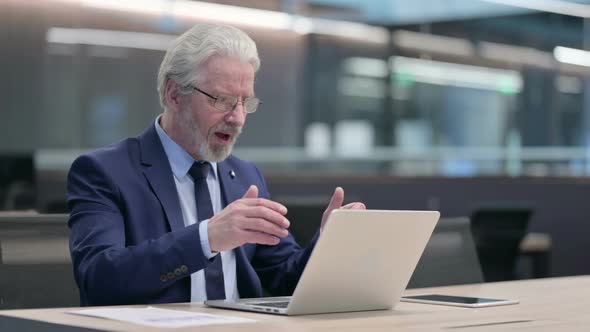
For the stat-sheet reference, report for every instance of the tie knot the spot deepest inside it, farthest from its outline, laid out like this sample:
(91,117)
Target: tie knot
(199,170)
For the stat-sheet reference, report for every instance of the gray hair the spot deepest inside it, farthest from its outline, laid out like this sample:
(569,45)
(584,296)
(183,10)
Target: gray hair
(185,57)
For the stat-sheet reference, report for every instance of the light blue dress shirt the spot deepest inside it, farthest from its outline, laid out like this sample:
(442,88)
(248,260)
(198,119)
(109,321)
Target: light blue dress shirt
(181,162)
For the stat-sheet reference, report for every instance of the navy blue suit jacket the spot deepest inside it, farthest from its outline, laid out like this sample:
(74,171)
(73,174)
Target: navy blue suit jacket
(128,241)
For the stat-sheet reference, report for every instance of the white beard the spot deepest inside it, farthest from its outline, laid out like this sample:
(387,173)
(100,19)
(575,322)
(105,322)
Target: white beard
(206,150)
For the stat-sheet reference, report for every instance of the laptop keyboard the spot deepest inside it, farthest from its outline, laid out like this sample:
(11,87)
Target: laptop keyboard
(272,304)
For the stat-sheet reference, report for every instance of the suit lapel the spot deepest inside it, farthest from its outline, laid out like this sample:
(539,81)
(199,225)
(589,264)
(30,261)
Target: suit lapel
(159,176)
(230,186)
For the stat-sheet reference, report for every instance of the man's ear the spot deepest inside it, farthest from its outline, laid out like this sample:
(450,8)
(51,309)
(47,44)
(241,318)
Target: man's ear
(172,96)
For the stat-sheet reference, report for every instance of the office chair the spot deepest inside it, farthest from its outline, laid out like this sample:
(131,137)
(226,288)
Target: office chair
(497,233)
(449,257)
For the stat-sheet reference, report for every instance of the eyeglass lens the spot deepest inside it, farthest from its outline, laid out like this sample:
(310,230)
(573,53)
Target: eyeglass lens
(228,103)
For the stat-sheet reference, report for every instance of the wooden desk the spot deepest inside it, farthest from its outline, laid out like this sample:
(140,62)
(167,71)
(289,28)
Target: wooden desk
(555,304)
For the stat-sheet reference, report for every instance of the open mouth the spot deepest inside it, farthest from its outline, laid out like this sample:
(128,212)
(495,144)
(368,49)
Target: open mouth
(223,136)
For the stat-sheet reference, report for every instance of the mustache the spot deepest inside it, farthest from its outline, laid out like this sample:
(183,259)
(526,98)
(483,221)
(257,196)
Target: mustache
(225,128)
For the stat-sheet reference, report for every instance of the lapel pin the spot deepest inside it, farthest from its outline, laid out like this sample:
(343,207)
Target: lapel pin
(232,174)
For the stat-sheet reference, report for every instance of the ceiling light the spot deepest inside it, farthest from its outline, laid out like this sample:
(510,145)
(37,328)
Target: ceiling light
(572,56)
(113,38)
(242,16)
(432,43)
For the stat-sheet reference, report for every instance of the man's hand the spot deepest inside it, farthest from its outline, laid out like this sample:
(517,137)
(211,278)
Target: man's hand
(336,203)
(248,220)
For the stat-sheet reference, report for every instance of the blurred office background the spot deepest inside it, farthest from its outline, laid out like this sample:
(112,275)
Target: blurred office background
(471,107)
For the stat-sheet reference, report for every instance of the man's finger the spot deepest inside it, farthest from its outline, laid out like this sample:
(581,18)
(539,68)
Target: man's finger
(263,226)
(355,206)
(278,207)
(261,238)
(267,214)
(337,199)
(252,192)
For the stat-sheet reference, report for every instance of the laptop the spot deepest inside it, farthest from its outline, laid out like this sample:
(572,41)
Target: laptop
(362,261)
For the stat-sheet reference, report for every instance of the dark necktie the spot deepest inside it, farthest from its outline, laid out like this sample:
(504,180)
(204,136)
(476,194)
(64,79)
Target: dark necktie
(214,271)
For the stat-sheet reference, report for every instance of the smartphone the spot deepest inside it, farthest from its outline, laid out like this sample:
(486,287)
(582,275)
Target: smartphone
(459,301)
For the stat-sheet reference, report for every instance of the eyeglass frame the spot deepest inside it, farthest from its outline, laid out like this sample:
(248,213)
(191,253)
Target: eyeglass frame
(216,98)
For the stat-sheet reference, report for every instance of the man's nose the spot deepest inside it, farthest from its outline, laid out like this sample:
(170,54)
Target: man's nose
(237,116)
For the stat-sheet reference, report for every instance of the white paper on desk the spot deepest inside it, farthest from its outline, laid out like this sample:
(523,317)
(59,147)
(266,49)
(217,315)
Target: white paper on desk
(160,317)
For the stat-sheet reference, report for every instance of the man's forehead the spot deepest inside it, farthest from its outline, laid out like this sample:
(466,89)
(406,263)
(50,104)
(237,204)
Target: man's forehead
(224,65)
(226,73)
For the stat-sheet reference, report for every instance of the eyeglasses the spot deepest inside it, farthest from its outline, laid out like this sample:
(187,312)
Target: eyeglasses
(226,103)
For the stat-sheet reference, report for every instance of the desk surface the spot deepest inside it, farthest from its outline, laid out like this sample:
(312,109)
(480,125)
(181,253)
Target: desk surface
(553,304)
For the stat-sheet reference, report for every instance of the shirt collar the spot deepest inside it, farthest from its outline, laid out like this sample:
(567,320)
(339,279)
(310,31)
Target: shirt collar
(180,160)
